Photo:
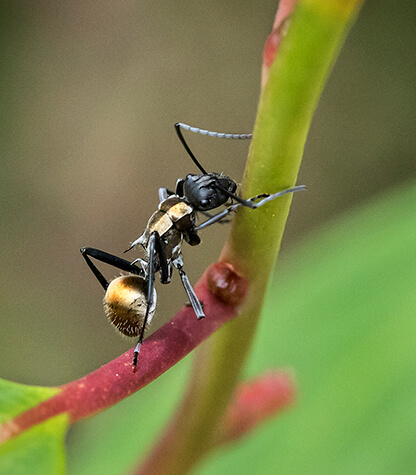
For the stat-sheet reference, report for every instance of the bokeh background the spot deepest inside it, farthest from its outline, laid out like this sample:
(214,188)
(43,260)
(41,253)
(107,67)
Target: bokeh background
(90,93)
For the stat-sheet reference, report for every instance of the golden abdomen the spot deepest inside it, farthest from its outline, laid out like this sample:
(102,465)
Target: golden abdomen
(125,304)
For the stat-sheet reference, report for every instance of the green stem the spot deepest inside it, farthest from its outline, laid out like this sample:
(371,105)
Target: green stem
(295,80)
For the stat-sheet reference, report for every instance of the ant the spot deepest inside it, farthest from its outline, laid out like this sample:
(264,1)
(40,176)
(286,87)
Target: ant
(130,300)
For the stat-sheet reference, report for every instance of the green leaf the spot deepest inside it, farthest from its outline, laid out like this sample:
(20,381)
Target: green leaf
(16,398)
(342,314)
(38,450)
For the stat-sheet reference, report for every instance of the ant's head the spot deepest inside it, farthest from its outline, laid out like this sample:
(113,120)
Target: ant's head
(206,191)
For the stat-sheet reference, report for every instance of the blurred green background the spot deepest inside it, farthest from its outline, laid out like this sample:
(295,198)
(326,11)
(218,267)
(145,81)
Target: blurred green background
(90,93)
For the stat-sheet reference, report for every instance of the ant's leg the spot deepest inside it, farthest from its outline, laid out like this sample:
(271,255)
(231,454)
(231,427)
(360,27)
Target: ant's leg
(193,299)
(217,217)
(179,187)
(156,247)
(220,216)
(164,193)
(143,264)
(266,198)
(250,203)
(209,215)
(150,288)
(110,259)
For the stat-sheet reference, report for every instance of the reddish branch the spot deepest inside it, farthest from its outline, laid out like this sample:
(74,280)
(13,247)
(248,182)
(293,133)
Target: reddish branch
(254,402)
(115,381)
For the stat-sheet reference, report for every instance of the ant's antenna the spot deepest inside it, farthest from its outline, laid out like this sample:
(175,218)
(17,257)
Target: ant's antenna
(197,130)
(220,135)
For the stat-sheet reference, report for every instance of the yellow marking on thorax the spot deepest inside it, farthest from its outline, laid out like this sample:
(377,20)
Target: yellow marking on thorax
(162,225)
(178,211)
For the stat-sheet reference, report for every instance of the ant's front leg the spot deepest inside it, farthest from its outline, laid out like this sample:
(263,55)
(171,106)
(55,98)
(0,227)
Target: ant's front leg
(217,217)
(209,215)
(250,203)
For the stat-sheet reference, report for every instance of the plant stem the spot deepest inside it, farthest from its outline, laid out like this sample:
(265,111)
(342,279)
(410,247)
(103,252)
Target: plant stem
(288,100)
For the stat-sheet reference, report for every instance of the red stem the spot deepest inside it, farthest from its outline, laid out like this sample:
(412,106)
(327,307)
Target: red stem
(115,381)
(254,402)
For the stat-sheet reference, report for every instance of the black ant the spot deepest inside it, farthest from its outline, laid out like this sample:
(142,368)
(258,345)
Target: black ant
(130,300)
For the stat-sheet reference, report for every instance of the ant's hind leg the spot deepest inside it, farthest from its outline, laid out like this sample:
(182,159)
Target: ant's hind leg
(110,259)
